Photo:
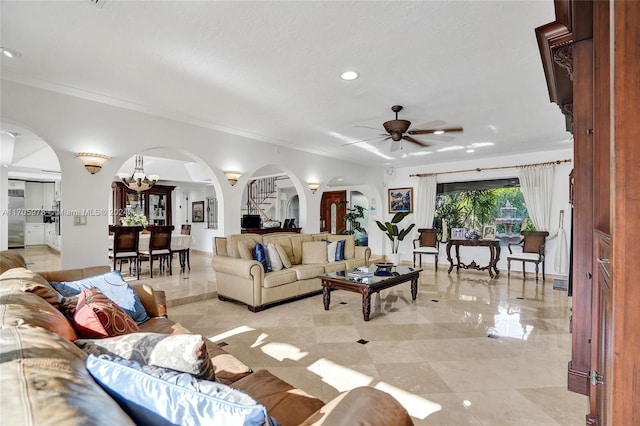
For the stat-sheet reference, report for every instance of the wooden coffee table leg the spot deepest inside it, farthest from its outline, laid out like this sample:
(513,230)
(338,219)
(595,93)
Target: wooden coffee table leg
(414,288)
(326,297)
(366,303)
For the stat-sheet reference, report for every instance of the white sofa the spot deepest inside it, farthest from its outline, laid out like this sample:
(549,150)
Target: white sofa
(241,278)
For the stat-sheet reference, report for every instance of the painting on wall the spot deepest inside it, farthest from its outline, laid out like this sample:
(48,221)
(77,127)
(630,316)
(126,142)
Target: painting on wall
(197,211)
(400,200)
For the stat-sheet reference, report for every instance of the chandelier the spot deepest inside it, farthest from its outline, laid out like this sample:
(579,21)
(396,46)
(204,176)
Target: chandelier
(138,181)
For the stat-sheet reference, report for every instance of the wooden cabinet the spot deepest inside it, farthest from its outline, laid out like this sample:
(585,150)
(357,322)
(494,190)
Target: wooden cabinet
(155,203)
(597,88)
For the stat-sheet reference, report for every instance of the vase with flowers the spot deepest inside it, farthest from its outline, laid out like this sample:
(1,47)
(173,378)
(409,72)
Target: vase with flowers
(134,218)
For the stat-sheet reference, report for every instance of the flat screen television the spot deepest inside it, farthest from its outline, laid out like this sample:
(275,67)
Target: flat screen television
(251,221)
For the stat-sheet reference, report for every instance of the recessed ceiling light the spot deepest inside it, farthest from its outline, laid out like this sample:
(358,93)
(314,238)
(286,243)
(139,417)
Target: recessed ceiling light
(349,75)
(438,132)
(10,53)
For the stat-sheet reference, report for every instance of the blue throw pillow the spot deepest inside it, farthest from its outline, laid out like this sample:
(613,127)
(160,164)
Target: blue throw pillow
(157,396)
(340,250)
(260,254)
(111,285)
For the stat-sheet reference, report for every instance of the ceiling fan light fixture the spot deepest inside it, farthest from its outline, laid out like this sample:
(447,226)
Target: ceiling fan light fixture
(349,75)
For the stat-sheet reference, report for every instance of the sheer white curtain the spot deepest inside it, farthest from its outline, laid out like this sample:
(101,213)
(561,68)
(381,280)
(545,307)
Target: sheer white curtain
(536,183)
(426,201)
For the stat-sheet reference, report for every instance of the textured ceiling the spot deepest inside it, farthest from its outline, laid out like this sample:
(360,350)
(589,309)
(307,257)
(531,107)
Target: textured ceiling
(270,70)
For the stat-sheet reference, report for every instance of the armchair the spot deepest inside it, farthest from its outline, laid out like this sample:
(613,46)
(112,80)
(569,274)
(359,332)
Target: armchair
(533,245)
(426,243)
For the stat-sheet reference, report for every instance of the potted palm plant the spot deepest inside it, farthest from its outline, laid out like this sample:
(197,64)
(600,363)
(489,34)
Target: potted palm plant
(395,234)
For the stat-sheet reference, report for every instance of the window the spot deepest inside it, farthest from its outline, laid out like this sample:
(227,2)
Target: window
(471,205)
(212,213)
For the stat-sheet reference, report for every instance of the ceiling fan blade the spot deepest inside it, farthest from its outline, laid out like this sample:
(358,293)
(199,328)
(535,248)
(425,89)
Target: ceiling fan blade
(410,139)
(363,140)
(369,127)
(431,124)
(432,131)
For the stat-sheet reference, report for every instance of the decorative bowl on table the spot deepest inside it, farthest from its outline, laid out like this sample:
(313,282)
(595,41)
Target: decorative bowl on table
(384,268)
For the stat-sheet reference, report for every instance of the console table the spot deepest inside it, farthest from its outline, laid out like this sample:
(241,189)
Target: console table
(269,230)
(494,250)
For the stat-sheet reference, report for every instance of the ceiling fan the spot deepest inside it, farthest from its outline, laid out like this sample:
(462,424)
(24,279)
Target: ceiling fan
(398,130)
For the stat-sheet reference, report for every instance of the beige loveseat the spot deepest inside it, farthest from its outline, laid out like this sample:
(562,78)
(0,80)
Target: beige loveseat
(45,381)
(240,278)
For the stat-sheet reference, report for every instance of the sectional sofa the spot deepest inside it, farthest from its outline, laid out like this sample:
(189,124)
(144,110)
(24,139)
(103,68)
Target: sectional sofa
(46,377)
(240,277)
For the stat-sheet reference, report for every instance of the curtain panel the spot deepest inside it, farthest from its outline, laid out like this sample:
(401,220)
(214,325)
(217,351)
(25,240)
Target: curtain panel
(426,200)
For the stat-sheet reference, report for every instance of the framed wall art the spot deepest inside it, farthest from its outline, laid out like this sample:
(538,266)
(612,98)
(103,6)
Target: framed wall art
(400,200)
(197,211)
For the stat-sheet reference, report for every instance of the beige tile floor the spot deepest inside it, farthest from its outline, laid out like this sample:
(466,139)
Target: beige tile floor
(434,355)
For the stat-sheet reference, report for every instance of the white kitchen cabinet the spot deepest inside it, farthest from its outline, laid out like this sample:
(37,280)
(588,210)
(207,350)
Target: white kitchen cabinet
(48,197)
(50,237)
(34,234)
(56,190)
(39,195)
(33,196)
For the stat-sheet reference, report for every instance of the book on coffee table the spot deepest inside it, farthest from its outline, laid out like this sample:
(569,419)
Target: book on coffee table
(360,274)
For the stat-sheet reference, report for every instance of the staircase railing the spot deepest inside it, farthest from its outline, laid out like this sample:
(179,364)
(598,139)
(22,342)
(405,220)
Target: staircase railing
(260,192)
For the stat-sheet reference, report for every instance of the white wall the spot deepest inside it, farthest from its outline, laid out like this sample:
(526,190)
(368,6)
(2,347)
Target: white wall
(4,205)
(401,178)
(70,125)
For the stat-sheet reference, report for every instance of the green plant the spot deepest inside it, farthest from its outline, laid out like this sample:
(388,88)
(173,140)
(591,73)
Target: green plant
(352,217)
(392,231)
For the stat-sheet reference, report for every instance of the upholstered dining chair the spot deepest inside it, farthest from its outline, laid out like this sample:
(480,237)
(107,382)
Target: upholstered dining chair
(182,247)
(159,247)
(533,244)
(426,243)
(125,246)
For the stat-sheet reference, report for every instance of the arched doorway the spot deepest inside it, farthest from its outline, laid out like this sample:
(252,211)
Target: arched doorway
(32,174)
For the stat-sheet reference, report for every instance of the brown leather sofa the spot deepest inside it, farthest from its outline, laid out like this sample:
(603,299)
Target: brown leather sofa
(44,379)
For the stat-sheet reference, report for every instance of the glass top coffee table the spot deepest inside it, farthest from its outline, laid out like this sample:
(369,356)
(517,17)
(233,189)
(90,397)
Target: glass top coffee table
(366,285)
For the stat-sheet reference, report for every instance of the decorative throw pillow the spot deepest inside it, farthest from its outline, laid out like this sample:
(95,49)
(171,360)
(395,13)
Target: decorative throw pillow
(284,257)
(245,249)
(68,306)
(30,282)
(111,285)
(340,250)
(274,258)
(98,316)
(314,252)
(331,251)
(181,352)
(260,254)
(155,396)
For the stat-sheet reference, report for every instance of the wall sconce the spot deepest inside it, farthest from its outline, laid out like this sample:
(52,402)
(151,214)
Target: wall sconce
(232,177)
(92,162)
(313,187)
